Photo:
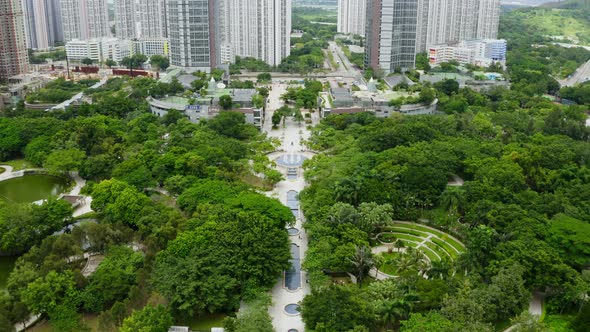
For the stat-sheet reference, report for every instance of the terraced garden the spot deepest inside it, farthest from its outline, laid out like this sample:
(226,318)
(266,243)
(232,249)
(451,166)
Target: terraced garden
(434,244)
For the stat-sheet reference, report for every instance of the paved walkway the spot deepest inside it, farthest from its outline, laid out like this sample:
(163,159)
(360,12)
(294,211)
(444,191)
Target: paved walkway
(535,308)
(291,137)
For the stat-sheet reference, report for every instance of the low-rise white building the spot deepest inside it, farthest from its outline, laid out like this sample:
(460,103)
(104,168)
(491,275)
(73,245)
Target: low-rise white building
(99,49)
(151,46)
(479,52)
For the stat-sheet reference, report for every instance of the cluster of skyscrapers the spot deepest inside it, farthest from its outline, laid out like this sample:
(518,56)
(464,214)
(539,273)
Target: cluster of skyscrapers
(198,34)
(396,30)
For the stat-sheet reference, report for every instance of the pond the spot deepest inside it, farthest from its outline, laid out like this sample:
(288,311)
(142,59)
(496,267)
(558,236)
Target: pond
(31,188)
(6,266)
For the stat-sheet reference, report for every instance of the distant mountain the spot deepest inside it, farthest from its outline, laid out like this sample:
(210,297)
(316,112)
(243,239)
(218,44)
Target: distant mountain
(524,3)
(568,4)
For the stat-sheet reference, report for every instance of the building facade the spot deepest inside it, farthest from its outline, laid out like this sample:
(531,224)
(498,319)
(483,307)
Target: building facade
(125,19)
(448,21)
(43,23)
(85,19)
(479,52)
(14,58)
(99,49)
(152,16)
(151,46)
(391,34)
(352,16)
(191,33)
(255,28)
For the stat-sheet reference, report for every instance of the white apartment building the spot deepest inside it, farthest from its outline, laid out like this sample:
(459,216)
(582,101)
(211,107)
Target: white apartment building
(352,16)
(255,28)
(85,19)
(446,21)
(152,18)
(479,52)
(14,57)
(42,23)
(125,19)
(98,49)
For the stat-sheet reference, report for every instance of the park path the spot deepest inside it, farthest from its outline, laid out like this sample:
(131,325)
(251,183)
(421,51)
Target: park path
(535,308)
(291,137)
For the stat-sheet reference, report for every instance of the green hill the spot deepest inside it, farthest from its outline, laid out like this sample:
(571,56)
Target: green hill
(572,23)
(568,4)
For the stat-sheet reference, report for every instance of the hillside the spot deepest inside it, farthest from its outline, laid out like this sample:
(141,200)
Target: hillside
(573,24)
(569,4)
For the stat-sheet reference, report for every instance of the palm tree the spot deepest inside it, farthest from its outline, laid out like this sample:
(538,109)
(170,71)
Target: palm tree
(362,262)
(393,310)
(453,199)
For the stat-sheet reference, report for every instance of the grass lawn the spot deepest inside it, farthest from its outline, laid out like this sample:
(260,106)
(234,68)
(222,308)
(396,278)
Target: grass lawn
(385,267)
(18,164)
(449,248)
(440,251)
(91,320)
(559,323)
(2,170)
(204,322)
(428,230)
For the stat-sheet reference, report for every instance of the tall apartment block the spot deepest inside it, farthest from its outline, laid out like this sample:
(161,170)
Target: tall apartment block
(152,17)
(43,23)
(255,28)
(352,16)
(85,19)
(13,46)
(391,34)
(449,21)
(125,19)
(192,34)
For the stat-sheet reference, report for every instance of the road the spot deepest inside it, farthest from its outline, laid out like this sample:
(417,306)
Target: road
(581,75)
(347,69)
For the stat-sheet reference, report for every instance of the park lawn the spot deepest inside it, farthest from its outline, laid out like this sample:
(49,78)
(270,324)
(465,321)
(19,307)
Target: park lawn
(440,251)
(408,237)
(206,322)
(559,323)
(386,268)
(2,170)
(406,230)
(424,229)
(453,251)
(425,250)
(17,164)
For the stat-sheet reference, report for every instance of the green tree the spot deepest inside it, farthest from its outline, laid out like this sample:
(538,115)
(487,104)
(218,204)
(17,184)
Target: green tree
(335,308)
(48,292)
(582,320)
(87,61)
(148,319)
(160,61)
(226,102)
(264,78)
(62,161)
(134,61)
(362,262)
(110,63)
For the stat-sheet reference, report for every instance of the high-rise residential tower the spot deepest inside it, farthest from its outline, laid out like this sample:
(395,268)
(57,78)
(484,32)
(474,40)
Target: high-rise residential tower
(192,34)
(13,46)
(391,34)
(152,17)
(42,23)
(125,19)
(444,21)
(85,19)
(352,16)
(256,28)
